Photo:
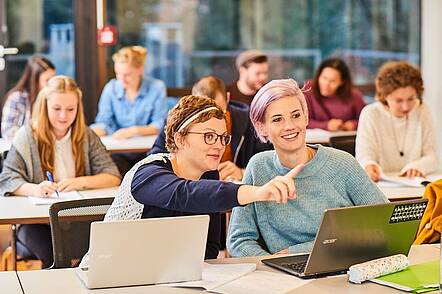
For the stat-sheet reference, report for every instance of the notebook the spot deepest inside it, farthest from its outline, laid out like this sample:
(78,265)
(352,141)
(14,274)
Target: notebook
(416,278)
(146,251)
(356,234)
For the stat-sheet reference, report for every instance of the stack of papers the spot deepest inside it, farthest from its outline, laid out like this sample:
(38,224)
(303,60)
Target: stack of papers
(242,278)
(417,278)
(72,195)
(396,181)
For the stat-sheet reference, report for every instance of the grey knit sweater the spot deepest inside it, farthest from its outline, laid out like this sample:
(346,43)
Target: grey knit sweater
(331,179)
(22,164)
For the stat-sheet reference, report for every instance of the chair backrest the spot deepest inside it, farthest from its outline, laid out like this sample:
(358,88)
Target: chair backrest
(70,228)
(346,143)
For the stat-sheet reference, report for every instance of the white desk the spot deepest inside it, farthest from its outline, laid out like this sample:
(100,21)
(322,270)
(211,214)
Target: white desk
(20,210)
(48,281)
(403,193)
(319,136)
(9,283)
(134,144)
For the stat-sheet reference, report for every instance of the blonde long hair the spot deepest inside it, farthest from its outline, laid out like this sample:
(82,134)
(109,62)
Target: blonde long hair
(41,126)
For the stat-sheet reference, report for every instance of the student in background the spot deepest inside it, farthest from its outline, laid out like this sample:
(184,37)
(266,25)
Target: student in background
(396,133)
(330,178)
(19,100)
(334,104)
(130,105)
(244,143)
(57,141)
(177,183)
(253,70)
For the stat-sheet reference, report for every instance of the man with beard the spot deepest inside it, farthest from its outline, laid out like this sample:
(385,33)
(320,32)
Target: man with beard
(253,71)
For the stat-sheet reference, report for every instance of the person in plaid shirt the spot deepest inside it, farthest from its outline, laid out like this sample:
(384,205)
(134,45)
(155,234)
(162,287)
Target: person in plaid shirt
(18,103)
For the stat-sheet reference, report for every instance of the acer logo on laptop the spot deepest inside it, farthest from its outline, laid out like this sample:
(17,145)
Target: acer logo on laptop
(329,241)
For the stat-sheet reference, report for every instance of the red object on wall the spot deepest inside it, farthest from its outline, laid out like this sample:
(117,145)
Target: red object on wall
(107,36)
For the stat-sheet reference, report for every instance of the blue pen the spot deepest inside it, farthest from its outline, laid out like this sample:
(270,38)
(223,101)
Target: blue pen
(51,179)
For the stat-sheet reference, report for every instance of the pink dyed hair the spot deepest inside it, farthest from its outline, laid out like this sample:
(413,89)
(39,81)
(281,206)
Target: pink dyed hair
(273,91)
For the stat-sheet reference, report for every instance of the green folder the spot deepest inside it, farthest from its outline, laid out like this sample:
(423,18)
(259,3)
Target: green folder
(418,278)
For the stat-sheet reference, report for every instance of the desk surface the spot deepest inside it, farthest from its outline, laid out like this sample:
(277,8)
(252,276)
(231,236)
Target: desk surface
(46,281)
(403,193)
(135,144)
(319,136)
(9,283)
(20,210)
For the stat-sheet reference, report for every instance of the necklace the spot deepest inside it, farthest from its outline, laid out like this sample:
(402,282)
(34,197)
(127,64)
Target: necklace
(400,150)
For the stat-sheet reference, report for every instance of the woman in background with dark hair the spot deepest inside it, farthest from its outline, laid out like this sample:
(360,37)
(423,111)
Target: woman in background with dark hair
(19,100)
(333,102)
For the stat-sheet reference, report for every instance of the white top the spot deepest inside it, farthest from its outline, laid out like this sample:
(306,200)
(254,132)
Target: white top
(64,162)
(380,139)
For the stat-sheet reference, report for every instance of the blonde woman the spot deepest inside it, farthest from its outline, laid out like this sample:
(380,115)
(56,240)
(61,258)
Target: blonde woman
(57,141)
(130,104)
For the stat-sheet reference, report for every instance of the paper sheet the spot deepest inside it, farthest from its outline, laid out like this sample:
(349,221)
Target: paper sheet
(263,282)
(215,275)
(242,278)
(72,195)
(396,181)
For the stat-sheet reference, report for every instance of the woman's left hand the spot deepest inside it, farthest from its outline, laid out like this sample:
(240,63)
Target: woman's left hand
(283,251)
(349,126)
(71,184)
(229,171)
(125,133)
(412,172)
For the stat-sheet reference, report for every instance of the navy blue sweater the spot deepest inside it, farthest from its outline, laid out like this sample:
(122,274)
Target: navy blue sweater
(165,194)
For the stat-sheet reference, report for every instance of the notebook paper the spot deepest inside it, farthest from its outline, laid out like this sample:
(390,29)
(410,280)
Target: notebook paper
(72,195)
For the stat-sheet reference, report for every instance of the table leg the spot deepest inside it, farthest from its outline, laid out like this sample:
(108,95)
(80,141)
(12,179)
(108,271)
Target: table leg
(14,246)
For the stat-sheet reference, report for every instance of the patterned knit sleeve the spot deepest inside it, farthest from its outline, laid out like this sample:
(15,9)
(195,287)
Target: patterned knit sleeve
(429,161)
(367,147)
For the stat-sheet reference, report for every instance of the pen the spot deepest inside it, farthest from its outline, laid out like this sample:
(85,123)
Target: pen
(51,179)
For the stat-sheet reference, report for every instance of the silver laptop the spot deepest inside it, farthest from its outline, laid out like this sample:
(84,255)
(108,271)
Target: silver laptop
(146,251)
(351,235)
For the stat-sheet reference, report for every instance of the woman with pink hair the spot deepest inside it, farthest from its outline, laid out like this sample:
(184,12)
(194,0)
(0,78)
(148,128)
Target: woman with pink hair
(330,178)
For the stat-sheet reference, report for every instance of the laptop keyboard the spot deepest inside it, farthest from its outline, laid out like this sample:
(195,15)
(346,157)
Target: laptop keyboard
(298,267)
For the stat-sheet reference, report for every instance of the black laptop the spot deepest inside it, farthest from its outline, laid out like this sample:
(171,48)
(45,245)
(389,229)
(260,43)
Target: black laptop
(356,234)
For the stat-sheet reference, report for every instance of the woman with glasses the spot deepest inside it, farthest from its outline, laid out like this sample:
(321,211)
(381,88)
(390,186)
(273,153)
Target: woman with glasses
(396,133)
(185,181)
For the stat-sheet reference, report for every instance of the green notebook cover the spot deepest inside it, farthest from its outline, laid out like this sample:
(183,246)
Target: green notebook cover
(416,278)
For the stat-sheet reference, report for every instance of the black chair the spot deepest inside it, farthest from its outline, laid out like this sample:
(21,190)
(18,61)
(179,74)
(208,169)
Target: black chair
(2,159)
(345,143)
(70,228)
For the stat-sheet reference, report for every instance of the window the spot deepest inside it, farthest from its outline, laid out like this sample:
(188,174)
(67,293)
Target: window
(188,39)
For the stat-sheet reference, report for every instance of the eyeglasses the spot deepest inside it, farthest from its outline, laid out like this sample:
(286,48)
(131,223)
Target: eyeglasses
(210,138)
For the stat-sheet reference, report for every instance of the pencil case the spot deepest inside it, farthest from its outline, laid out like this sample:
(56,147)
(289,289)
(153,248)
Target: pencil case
(361,272)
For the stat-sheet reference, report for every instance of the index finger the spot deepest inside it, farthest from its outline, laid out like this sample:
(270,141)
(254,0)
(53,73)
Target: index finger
(295,171)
